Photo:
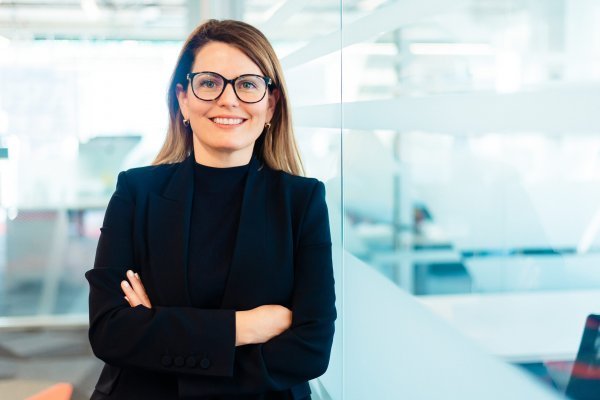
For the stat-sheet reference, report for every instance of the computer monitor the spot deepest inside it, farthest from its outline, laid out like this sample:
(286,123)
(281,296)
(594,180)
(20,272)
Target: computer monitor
(584,383)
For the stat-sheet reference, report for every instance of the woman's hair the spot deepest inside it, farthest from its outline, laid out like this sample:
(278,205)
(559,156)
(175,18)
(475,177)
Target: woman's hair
(276,145)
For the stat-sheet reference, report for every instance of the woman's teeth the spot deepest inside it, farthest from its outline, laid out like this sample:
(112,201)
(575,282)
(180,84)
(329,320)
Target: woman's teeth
(228,121)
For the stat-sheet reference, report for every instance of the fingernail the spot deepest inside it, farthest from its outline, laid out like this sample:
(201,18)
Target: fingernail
(136,275)
(126,298)
(125,283)
(130,273)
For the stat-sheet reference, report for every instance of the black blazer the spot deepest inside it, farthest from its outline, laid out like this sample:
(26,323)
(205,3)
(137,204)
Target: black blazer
(282,256)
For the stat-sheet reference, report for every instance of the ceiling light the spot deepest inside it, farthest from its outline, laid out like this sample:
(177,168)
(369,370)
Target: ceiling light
(150,13)
(90,8)
(451,49)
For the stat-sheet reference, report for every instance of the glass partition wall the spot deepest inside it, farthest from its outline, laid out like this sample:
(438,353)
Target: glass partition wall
(470,181)
(458,143)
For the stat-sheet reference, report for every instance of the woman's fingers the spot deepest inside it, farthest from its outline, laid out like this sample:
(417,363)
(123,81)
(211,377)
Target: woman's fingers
(138,287)
(135,293)
(130,296)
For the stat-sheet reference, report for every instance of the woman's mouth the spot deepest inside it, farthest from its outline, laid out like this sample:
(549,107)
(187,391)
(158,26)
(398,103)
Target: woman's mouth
(228,121)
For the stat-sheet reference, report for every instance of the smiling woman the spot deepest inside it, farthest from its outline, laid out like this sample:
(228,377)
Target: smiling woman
(221,54)
(213,269)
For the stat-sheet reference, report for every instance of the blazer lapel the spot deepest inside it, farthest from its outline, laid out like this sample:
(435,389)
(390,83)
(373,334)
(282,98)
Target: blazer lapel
(250,246)
(169,218)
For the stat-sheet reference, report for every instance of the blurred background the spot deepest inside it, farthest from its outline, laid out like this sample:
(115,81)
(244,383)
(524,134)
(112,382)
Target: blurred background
(460,147)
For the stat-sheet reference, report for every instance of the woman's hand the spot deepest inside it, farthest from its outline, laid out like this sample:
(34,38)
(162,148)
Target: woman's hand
(261,324)
(258,325)
(135,293)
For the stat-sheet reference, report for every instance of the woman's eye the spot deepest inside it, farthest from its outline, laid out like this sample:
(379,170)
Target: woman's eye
(207,84)
(248,85)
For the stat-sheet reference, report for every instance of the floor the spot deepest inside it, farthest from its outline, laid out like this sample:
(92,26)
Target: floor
(34,360)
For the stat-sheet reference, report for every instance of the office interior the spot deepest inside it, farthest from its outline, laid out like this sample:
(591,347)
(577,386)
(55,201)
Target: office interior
(459,143)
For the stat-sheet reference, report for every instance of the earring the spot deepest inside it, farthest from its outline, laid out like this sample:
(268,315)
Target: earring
(186,122)
(268,125)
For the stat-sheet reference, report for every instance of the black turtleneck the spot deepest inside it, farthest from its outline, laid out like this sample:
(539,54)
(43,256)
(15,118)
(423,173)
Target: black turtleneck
(215,216)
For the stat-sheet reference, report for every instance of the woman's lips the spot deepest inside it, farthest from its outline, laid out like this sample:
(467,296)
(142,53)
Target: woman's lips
(228,121)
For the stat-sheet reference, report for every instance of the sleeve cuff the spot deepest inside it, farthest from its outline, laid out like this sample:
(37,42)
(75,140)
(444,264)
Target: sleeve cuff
(214,354)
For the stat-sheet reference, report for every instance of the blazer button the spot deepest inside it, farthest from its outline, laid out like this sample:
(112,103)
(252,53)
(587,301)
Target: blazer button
(166,360)
(205,363)
(190,362)
(179,361)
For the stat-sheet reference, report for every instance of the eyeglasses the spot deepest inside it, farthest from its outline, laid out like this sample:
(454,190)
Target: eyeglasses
(249,88)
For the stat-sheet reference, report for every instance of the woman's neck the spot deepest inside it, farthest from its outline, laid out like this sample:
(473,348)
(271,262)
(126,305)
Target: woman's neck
(222,159)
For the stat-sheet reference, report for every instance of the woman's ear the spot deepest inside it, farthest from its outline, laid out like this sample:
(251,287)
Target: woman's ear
(182,98)
(273,99)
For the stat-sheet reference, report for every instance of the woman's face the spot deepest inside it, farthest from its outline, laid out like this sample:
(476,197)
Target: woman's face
(226,128)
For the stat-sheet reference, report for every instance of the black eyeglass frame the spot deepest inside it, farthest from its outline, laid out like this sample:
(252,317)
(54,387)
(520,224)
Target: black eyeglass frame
(268,81)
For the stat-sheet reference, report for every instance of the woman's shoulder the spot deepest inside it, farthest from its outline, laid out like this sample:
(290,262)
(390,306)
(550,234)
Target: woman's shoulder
(151,171)
(299,190)
(294,182)
(148,176)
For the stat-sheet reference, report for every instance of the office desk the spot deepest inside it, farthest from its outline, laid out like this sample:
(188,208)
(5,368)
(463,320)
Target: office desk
(520,327)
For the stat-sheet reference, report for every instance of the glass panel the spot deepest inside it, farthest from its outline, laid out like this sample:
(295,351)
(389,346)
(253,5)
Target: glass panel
(470,182)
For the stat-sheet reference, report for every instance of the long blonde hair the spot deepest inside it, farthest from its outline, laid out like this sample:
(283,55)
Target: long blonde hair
(276,145)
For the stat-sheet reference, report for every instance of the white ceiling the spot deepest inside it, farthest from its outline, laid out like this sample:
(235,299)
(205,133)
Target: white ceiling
(160,19)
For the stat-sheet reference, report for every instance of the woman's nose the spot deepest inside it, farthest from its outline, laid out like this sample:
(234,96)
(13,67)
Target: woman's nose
(228,97)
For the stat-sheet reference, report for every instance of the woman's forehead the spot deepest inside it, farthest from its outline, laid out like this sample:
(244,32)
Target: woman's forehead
(225,59)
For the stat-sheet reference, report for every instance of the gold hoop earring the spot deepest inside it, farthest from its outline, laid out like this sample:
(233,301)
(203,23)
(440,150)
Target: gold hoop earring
(186,122)
(267,125)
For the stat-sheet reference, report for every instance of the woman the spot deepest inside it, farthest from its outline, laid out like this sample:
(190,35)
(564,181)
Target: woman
(213,276)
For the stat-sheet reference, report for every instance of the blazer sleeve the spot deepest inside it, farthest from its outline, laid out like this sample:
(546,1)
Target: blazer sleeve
(302,352)
(177,340)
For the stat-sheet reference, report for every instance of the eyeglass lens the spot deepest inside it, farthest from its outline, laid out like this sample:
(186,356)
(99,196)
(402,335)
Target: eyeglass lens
(248,88)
